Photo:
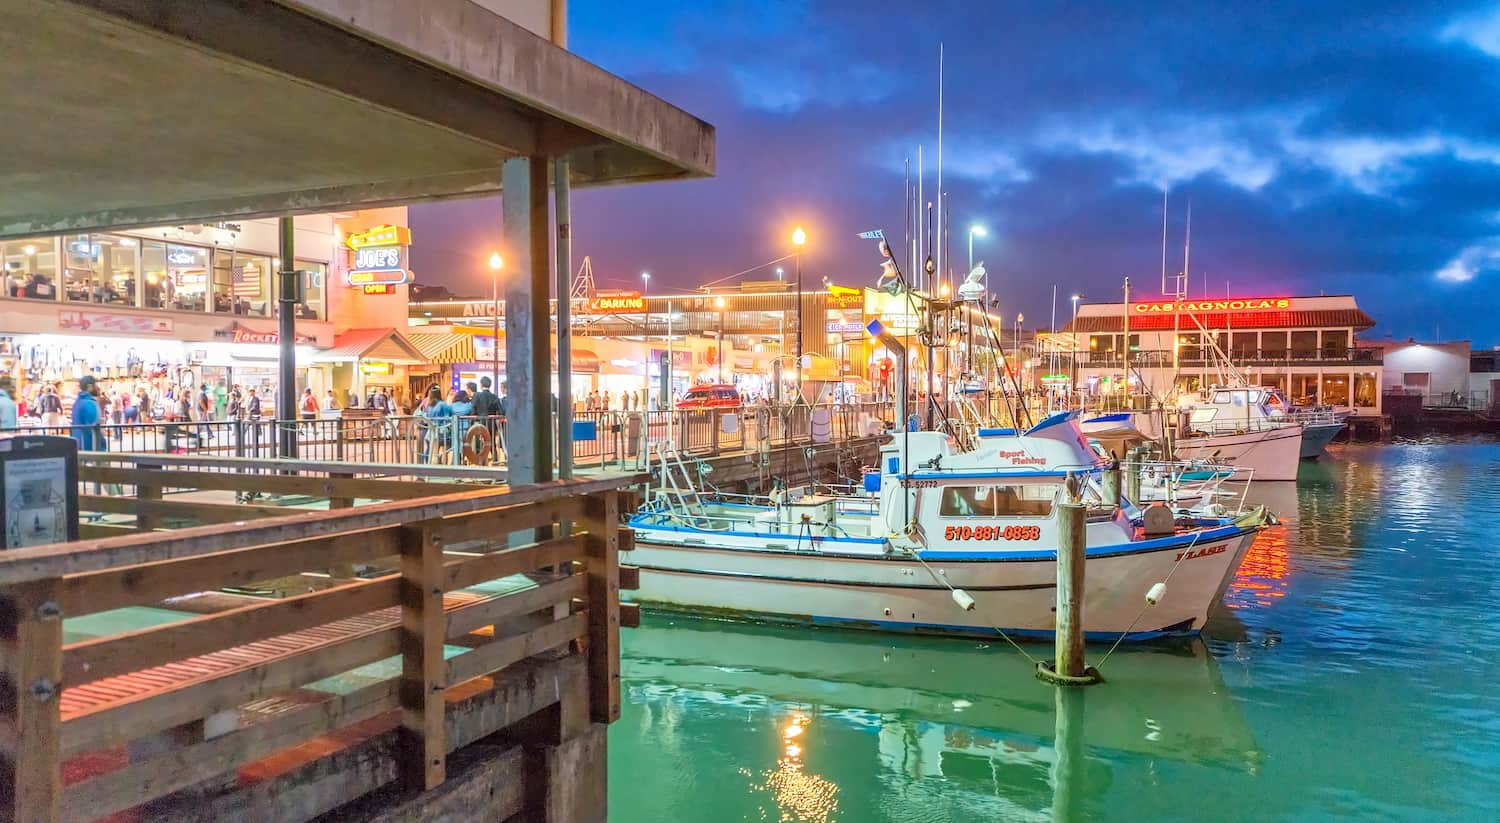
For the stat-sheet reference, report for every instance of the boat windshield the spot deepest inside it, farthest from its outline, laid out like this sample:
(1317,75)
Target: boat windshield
(1025,500)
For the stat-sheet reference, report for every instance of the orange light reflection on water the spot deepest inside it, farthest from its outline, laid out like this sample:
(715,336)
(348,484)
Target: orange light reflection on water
(1262,576)
(799,796)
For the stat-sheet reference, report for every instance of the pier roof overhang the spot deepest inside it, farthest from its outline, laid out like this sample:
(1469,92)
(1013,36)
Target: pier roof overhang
(128,113)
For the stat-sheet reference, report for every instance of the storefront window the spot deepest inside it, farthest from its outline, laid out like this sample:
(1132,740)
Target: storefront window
(30,268)
(176,276)
(115,269)
(241,283)
(314,285)
(1304,389)
(1245,345)
(1273,345)
(1304,344)
(1336,389)
(1273,380)
(1364,389)
(80,256)
(1336,343)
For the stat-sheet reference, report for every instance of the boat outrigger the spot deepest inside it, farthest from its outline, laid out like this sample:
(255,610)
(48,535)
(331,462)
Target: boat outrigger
(943,541)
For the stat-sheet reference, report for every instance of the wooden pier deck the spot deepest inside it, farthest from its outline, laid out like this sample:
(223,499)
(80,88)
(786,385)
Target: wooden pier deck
(490,637)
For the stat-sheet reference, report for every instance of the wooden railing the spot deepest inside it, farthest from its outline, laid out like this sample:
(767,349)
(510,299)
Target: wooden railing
(178,706)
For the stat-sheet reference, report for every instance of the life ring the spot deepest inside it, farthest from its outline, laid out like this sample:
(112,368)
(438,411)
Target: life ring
(478,445)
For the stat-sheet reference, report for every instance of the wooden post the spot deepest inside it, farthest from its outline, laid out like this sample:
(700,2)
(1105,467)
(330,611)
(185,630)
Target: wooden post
(340,571)
(1111,484)
(146,488)
(1133,476)
(1071,543)
(423,627)
(602,520)
(36,675)
(1070,767)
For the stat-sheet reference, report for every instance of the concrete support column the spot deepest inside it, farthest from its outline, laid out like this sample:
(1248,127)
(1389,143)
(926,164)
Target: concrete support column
(528,347)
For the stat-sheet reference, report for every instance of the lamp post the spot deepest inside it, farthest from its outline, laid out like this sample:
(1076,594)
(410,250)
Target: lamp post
(719,304)
(496,264)
(799,239)
(1020,318)
(646,310)
(1073,339)
(977,230)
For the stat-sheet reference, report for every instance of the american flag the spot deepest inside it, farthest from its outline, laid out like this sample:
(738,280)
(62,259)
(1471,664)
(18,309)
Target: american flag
(246,281)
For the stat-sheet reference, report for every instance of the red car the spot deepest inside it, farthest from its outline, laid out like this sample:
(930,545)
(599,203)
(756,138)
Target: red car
(712,396)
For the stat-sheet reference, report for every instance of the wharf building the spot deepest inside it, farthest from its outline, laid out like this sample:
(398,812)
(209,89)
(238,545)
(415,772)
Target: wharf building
(1304,346)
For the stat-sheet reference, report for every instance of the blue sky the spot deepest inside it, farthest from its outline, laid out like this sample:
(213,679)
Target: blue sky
(1336,147)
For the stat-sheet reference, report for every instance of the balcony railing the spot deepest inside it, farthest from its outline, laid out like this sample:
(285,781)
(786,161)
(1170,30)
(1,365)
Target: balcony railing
(1289,358)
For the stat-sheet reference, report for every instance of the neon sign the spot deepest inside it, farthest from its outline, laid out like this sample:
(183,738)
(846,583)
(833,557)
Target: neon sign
(379,257)
(622,302)
(1238,304)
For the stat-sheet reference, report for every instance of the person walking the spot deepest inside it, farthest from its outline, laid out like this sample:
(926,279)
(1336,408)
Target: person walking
(86,416)
(49,403)
(8,416)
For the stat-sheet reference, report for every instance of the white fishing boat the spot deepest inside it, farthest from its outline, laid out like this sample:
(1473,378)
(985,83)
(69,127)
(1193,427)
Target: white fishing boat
(1235,426)
(950,541)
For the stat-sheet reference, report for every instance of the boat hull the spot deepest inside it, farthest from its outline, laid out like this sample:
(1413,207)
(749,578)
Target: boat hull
(899,593)
(1272,454)
(1316,437)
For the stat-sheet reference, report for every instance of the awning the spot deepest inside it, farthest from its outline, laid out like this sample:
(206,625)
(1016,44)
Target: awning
(371,344)
(443,348)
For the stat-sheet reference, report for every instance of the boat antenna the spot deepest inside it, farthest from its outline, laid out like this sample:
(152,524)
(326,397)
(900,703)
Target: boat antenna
(1164,242)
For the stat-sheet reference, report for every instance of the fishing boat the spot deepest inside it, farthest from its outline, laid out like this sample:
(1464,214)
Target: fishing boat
(1236,426)
(946,541)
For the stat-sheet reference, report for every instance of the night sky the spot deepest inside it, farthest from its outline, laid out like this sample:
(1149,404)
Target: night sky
(1342,147)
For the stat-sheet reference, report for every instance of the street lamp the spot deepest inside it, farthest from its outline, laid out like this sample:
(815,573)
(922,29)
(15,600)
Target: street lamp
(496,264)
(1073,338)
(1020,318)
(719,304)
(799,239)
(646,310)
(975,230)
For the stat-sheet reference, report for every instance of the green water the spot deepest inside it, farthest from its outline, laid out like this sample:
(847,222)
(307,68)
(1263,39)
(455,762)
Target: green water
(1351,674)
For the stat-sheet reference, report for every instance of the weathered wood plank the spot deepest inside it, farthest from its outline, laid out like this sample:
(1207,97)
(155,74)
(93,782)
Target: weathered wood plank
(56,560)
(36,766)
(182,509)
(603,525)
(153,582)
(95,531)
(630,615)
(96,659)
(482,567)
(506,650)
(180,768)
(271,483)
(423,673)
(630,578)
(466,619)
(184,702)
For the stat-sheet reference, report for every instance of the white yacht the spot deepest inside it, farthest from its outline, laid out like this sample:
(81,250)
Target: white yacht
(1236,426)
(947,541)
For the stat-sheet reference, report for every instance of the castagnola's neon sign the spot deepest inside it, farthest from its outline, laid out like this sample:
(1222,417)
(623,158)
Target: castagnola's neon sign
(1239,304)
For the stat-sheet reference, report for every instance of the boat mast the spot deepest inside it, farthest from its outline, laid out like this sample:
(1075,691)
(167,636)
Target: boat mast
(1125,348)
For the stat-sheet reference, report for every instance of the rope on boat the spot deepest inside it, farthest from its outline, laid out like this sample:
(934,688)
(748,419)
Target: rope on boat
(1142,613)
(951,588)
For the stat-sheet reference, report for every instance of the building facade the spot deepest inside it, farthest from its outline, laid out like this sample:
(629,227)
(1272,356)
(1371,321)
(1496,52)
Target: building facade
(1304,346)
(163,310)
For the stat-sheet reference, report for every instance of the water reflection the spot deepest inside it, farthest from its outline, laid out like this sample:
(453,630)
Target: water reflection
(823,714)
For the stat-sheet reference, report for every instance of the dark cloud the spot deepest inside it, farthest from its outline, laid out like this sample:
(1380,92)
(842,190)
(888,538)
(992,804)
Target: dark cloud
(1325,147)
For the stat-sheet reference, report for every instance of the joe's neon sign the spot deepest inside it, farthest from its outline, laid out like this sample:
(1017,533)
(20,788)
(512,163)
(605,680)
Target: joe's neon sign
(1238,304)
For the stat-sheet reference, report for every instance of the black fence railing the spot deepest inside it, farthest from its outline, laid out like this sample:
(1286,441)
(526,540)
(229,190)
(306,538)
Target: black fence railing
(598,436)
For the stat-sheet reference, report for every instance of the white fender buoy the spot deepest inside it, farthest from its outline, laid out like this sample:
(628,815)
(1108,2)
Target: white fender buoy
(1154,595)
(963,600)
